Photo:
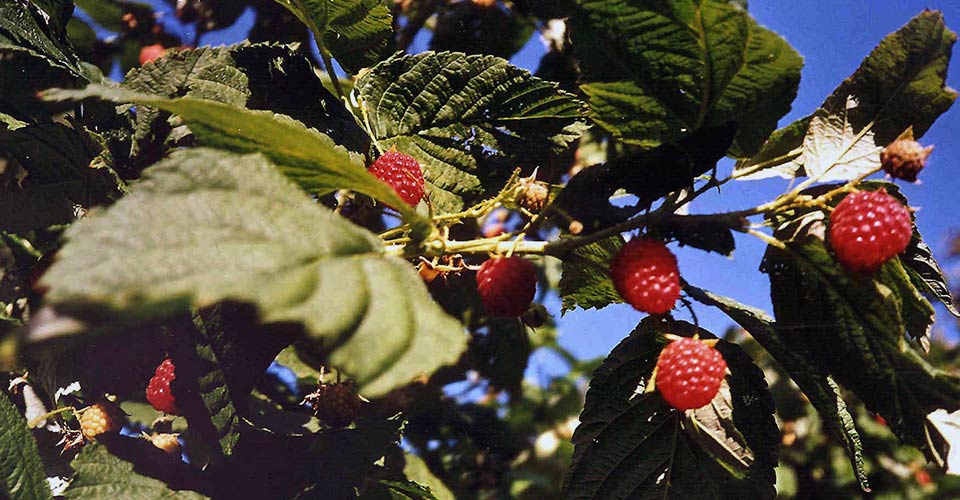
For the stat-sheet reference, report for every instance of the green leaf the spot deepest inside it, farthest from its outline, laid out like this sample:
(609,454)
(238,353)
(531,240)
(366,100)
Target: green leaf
(586,282)
(655,71)
(63,166)
(632,444)
(469,119)
(356,32)
(100,474)
(308,157)
(416,469)
(819,388)
(21,472)
(109,13)
(477,29)
(815,299)
(901,84)
(204,226)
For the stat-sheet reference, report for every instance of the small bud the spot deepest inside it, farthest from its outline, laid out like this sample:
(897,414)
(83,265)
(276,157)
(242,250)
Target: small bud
(576,227)
(533,195)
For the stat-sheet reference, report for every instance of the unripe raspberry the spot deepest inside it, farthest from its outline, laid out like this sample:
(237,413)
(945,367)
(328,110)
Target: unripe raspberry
(168,443)
(151,53)
(689,373)
(159,393)
(401,172)
(533,195)
(507,286)
(646,276)
(869,228)
(337,404)
(100,418)
(904,159)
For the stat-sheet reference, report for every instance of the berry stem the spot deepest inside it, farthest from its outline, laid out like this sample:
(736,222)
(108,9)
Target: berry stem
(46,416)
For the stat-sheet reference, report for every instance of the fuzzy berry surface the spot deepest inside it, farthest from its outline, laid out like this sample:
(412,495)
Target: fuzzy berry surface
(159,393)
(507,286)
(689,373)
(904,159)
(646,276)
(151,53)
(868,228)
(99,419)
(335,404)
(168,443)
(401,172)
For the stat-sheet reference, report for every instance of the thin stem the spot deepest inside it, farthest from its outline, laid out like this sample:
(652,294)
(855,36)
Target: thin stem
(46,416)
(332,73)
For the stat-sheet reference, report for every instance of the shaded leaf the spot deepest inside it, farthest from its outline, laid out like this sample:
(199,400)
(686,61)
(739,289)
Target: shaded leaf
(816,385)
(477,29)
(22,476)
(469,119)
(205,226)
(815,299)
(99,471)
(656,71)
(705,234)
(632,444)
(63,166)
(356,32)
(586,282)
(649,175)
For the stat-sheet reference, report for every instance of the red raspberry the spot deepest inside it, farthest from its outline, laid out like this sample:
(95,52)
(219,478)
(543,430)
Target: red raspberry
(869,228)
(159,393)
(151,53)
(402,173)
(335,404)
(689,373)
(645,274)
(904,159)
(100,418)
(507,286)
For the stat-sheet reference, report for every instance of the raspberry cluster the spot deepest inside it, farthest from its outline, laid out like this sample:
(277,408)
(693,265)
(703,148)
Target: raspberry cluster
(99,419)
(337,404)
(401,172)
(645,274)
(868,228)
(159,393)
(689,373)
(507,286)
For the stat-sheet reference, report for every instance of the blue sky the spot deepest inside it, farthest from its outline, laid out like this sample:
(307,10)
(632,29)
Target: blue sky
(833,36)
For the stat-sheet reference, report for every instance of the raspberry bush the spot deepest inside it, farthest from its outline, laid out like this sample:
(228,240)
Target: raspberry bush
(204,232)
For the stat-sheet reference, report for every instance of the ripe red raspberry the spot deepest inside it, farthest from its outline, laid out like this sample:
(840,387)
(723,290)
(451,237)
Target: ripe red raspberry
(100,418)
(151,53)
(507,286)
(168,443)
(904,159)
(402,173)
(869,228)
(335,404)
(159,393)
(689,373)
(645,274)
